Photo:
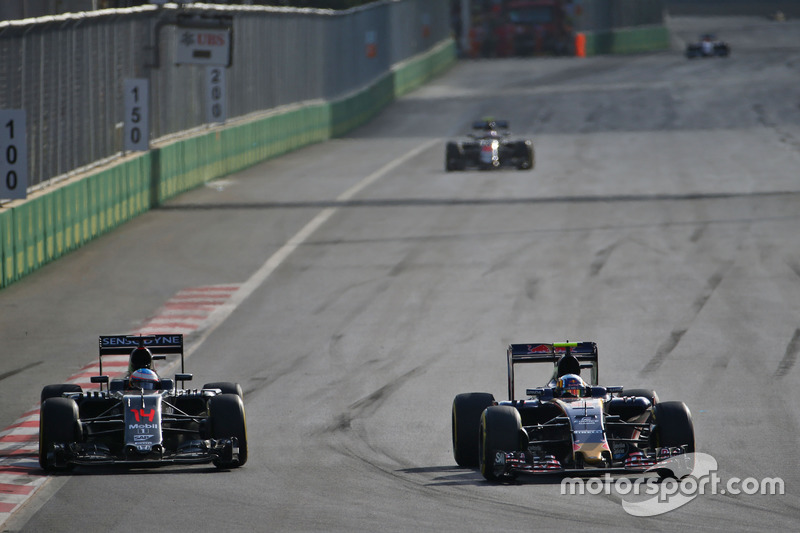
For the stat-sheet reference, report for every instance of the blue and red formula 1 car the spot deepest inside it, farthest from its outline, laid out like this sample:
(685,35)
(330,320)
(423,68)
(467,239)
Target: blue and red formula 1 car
(569,425)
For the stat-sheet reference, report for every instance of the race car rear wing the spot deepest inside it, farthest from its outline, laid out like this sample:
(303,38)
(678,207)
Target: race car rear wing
(490,124)
(159,345)
(584,352)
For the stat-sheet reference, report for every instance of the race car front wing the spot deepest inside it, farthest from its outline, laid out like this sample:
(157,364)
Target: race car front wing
(194,452)
(512,463)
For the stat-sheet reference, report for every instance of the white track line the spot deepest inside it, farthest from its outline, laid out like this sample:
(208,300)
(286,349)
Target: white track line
(219,315)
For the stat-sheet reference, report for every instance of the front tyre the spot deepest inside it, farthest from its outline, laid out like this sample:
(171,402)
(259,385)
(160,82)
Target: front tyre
(227,420)
(525,155)
(58,424)
(466,420)
(453,158)
(500,430)
(674,428)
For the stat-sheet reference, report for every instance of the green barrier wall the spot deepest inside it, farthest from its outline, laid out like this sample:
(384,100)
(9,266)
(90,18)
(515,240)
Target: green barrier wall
(359,108)
(53,223)
(411,75)
(6,247)
(627,40)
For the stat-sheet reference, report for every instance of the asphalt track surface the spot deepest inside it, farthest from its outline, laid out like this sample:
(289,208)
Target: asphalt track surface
(662,221)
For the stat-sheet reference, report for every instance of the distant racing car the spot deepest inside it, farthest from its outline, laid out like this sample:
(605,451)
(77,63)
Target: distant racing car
(570,425)
(489,146)
(707,46)
(142,419)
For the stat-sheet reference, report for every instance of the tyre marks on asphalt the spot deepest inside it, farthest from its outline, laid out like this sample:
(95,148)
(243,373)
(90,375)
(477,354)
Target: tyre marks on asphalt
(790,356)
(698,233)
(601,258)
(186,312)
(795,267)
(18,370)
(677,333)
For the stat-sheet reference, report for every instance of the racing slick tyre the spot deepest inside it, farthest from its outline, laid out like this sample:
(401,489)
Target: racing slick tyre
(500,431)
(55,391)
(226,387)
(524,155)
(467,409)
(453,160)
(673,429)
(227,420)
(58,424)
(646,393)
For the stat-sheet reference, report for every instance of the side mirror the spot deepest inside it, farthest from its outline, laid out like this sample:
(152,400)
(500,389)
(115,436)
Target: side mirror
(100,380)
(183,377)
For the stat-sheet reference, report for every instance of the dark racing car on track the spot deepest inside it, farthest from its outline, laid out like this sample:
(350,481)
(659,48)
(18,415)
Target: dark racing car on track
(489,146)
(142,419)
(570,425)
(707,46)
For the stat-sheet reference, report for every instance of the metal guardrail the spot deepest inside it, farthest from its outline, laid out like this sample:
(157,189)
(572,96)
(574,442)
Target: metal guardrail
(67,71)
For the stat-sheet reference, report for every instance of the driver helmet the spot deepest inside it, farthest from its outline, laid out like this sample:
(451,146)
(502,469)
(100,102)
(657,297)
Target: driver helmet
(571,385)
(144,379)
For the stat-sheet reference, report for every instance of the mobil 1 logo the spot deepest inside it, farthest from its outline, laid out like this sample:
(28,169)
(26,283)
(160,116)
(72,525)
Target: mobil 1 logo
(215,100)
(13,154)
(137,115)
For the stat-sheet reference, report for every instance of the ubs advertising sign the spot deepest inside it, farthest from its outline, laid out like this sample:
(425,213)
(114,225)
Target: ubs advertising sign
(203,46)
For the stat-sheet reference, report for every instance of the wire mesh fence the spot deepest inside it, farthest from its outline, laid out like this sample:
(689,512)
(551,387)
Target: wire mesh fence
(67,72)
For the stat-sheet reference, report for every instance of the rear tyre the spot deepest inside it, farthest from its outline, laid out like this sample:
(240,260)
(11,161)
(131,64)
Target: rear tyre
(226,387)
(646,393)
(227,420)
(499,432)
(58,424)
(55,391)
(466,420)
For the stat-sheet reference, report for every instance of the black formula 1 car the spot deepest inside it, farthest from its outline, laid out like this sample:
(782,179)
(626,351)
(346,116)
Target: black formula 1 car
(142,422)
(570,425)
(489,146)
(707,46)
